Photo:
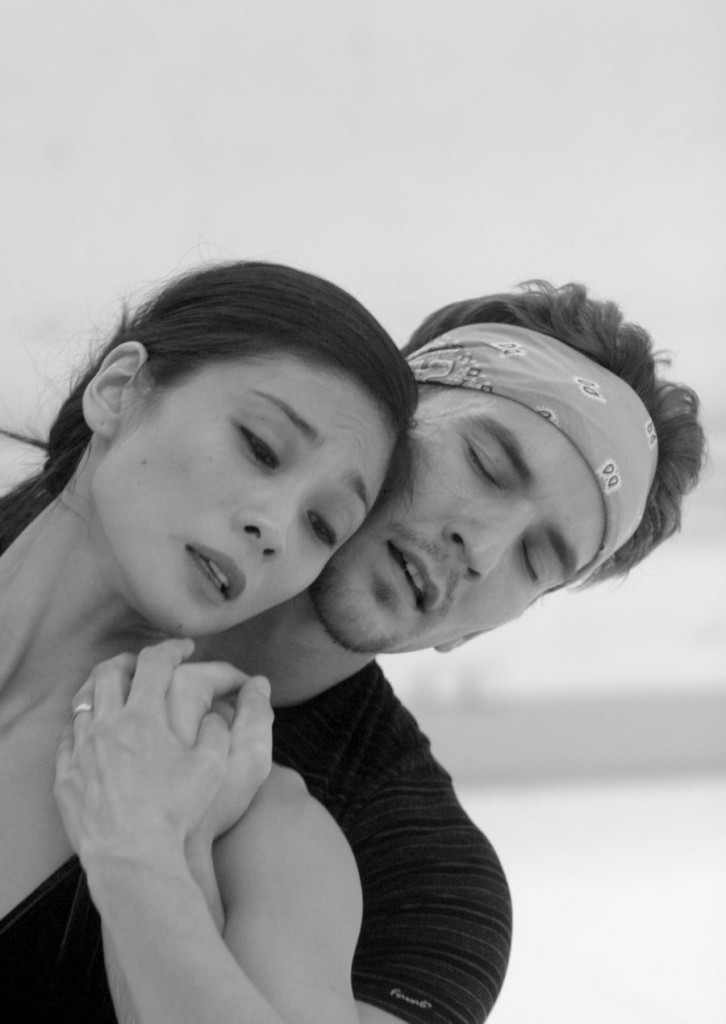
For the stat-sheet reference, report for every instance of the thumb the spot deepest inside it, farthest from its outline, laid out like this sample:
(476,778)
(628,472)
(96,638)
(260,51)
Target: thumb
(253,708)
(251,734)
(214,735)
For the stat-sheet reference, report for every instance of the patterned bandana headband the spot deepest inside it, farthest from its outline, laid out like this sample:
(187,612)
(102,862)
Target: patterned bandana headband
(597,411)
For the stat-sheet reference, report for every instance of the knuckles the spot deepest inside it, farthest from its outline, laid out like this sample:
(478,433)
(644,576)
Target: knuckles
(184,689)
(164,656)
(120,667)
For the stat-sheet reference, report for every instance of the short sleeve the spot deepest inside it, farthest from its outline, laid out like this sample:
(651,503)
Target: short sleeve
(437,918)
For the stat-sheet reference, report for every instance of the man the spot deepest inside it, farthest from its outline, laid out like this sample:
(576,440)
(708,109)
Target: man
(505,507)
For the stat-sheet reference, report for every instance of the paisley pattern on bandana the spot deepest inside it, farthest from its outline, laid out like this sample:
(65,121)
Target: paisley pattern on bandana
(595,409)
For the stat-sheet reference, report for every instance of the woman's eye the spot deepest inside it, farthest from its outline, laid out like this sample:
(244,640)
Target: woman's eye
(323,530)
(479,465)
(261,452)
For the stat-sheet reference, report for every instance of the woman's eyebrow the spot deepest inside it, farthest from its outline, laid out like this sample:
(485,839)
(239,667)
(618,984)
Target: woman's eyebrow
(307,429)
(353,479)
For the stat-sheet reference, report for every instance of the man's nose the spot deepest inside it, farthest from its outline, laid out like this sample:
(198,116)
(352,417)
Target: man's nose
(479,547)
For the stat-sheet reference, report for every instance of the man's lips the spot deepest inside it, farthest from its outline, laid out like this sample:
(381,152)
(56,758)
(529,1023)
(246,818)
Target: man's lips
(220,570)
(416,573)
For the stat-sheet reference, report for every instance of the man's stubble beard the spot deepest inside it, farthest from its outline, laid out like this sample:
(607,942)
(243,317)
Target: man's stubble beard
(334,602)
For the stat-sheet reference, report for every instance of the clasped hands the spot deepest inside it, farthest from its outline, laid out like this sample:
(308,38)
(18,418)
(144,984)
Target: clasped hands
(168,750)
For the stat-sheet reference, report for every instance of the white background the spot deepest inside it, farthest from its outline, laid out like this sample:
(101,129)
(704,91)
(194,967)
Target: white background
(417,153)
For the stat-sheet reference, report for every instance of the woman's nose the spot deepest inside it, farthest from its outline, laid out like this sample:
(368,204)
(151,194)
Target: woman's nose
(266,532)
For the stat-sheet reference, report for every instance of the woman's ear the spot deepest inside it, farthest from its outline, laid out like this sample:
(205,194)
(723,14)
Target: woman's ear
(111,391)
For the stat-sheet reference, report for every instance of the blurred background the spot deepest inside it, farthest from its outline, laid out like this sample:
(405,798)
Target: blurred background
(417,153)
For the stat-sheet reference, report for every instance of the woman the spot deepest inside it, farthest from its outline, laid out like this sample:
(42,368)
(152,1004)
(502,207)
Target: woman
(230,437)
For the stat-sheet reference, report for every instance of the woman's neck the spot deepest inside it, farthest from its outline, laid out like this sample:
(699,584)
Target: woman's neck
(289,646)
(59,612)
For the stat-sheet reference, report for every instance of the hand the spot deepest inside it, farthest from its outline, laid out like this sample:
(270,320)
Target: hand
(196,688)
(126,777)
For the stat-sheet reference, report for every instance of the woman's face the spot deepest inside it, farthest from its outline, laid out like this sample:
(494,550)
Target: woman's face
(228,493)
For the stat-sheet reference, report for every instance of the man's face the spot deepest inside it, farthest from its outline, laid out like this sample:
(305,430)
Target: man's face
(504,509)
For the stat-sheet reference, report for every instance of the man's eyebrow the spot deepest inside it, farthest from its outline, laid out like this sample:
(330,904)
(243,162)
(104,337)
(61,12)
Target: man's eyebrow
(509,444)
(307,429)
(358,485)
(564,551)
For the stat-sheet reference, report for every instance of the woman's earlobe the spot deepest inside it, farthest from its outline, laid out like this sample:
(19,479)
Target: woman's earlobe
(111,391)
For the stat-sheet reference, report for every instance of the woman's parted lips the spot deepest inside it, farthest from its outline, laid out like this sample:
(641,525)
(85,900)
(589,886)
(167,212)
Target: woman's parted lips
(222,569)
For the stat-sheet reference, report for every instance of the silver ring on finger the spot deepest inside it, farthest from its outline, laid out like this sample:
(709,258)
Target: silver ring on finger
(83,706)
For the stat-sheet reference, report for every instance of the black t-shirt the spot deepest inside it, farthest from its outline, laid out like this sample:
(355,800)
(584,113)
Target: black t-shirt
(436,909)
(437,919)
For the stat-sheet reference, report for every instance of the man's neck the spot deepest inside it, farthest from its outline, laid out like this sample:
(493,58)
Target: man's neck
(289,646)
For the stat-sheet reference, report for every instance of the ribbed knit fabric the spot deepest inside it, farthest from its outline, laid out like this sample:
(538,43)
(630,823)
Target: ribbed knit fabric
(437,913)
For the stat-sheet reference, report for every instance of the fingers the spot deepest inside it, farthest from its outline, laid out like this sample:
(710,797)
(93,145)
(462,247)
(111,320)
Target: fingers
(80,724)
(63,785)
(225,707)
(214,735)
(253,702)
(104,691)
(64,754)
(194,689)
(251,732)
(159,681)
(154,671)
(108,684)
(218,678)
(201,683)
(253,708)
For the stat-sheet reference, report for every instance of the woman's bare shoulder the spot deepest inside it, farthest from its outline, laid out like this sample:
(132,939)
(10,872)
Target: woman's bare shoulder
(286,830)
(284,787)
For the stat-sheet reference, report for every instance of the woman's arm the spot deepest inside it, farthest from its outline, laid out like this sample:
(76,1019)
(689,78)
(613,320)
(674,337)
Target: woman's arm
(292,898)
(131,794)
(200,861)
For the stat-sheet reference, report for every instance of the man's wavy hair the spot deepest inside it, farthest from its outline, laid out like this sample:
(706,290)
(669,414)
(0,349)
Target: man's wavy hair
(599,330)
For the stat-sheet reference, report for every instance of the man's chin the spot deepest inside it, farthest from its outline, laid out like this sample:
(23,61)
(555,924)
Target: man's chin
(339,632)
(339,613)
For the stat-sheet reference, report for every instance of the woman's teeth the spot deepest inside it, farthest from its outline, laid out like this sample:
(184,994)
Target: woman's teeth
(219,577)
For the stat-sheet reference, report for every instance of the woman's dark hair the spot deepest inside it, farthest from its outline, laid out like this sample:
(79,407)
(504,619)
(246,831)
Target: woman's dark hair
(599,330)
(224,312)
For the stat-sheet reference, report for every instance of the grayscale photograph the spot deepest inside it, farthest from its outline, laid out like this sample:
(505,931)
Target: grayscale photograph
(362,512)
